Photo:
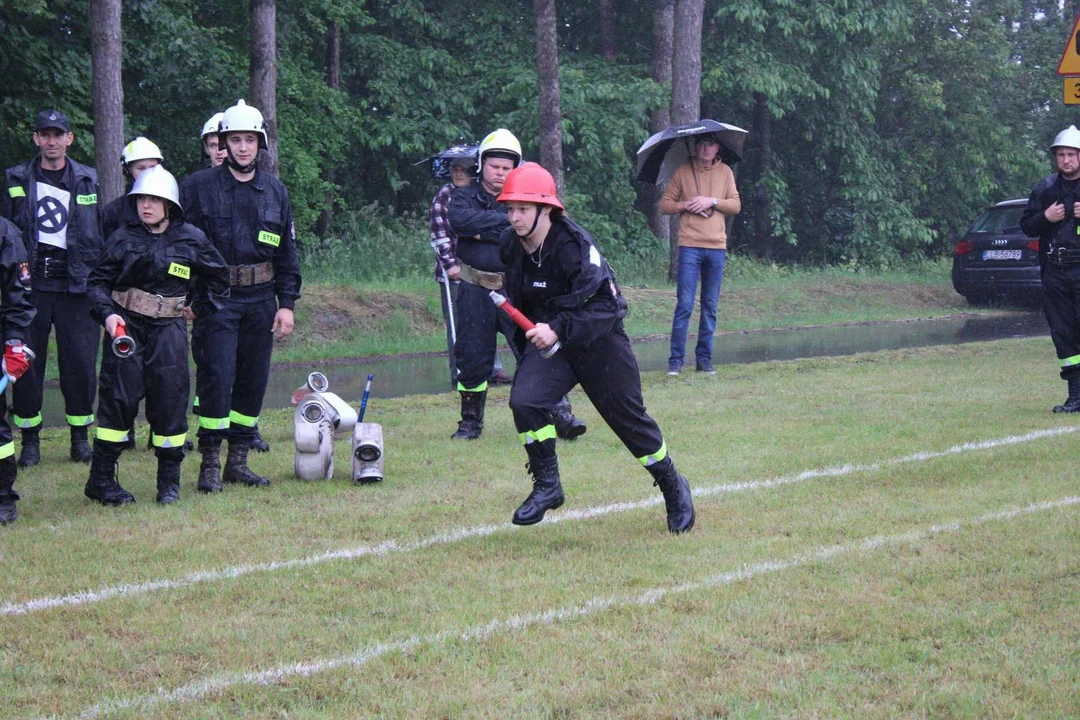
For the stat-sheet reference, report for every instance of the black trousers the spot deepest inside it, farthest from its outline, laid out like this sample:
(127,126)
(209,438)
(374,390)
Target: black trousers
(608,373)
(77,337)
(7,460)
(478,321)
(232,351)
(158,371)
(1061,303)
(454,286)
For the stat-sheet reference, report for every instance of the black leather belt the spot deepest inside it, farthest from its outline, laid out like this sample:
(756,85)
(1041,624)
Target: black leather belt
(49,267)
(1063,255)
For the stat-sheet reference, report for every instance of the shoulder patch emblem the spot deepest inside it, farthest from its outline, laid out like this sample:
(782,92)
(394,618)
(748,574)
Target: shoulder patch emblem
(594,255)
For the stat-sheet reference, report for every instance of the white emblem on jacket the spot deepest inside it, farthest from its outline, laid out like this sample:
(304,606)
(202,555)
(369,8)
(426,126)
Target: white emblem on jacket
(594,255)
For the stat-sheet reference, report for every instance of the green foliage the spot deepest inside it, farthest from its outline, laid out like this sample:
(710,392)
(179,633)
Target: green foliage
(892,121)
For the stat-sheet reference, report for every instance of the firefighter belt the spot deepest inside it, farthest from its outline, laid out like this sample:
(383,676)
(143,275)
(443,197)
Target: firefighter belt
(483,278)
(149,304)
(243,275)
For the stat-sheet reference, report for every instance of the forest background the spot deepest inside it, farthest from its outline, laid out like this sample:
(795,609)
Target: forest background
(878,128)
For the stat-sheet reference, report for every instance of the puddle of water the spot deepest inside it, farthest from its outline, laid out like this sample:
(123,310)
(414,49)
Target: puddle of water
(395,377)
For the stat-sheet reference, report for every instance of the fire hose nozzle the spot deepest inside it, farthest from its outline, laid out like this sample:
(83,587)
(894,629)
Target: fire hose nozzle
(521,321)
(123,345)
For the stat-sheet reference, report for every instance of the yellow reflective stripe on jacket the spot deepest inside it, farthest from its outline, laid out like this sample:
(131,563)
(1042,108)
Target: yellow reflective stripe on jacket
(479,388)
(16,191)
(1070,361)
(530,436)
(655,457)
(168,441)
(213,423)
(108,435)
(79,420)
(245,420)
(7,450)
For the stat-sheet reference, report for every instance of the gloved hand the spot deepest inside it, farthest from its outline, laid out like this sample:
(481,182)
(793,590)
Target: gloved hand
(16,359)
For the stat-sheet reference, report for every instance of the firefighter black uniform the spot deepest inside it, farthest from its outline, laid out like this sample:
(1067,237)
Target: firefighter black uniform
(59,221)
(479,222)
(567,284)
(16,315)
(146,278)
(251,224)
(1059,259)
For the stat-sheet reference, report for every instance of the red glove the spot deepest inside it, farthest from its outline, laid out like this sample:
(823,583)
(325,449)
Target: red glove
(16,361)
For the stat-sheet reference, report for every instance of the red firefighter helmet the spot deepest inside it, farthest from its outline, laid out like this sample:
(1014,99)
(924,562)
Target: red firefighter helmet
(531,183)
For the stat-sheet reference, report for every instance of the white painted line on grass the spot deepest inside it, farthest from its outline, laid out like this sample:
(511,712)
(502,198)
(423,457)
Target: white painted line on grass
(480,633)
(392,546)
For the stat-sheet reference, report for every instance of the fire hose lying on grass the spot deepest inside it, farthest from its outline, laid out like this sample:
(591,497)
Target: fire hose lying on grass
(321,416)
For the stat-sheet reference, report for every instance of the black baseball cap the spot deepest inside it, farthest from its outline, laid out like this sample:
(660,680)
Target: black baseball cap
(47,119)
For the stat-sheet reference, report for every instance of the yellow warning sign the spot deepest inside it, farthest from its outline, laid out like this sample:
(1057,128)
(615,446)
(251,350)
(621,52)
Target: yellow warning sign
(1070,59)
(1072,91)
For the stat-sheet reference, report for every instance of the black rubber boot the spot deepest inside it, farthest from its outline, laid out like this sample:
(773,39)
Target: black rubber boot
(9,512)
(31,448)
(80,446)
(677,498)
(102,485)
(210,469)
(567,427)
(547,492)
(237,470)
(258,444)
(1072,403)
(472,416)
(168,478)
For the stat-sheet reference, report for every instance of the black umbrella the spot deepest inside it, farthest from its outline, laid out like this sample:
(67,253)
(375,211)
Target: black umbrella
(665,151)
(441,162)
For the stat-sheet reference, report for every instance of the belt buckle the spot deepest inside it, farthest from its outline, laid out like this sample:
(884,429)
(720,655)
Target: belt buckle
(45,266)
(160,304)
(252,269)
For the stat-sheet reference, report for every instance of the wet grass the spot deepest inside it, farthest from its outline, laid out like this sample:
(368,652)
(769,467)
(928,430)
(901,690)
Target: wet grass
(600,617)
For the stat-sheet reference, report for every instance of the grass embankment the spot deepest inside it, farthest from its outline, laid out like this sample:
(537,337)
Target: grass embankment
(749,615)
(404,316)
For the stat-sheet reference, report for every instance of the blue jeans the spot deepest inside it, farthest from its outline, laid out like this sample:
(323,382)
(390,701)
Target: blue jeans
(709,265)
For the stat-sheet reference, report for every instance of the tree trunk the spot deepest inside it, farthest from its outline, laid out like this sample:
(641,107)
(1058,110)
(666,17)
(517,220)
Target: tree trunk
(108,98)
(262,71)
(333,81)
(663,24)
(547,74)
(685,81)
(686,62)
(607,31)
(762,196)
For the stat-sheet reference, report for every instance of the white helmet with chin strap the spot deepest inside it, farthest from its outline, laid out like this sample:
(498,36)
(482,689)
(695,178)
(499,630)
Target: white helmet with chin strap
(500,142)
(210,127)
(158,182)
(140,149)
(242,117)
(1069,137)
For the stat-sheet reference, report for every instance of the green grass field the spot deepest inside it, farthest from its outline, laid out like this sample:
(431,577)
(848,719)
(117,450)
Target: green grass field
(884,535)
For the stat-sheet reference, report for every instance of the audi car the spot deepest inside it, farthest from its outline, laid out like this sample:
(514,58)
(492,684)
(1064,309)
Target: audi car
(995,261)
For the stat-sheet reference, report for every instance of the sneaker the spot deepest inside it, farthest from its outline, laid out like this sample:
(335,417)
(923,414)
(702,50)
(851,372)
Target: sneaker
(674,368)
(706,367)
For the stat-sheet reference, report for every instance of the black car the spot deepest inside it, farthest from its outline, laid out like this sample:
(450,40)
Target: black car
(995,260)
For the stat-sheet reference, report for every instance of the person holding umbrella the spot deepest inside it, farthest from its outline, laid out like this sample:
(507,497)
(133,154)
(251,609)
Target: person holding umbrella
(702,192)
(557,277)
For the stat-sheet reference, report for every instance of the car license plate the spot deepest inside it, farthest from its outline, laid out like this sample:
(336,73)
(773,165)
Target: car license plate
(1001,254)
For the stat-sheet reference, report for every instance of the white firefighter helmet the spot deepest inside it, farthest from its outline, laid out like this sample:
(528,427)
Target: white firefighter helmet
(210,127)
(140,149)
(500,141)
(242,117)
(159,182)
(1069,137)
